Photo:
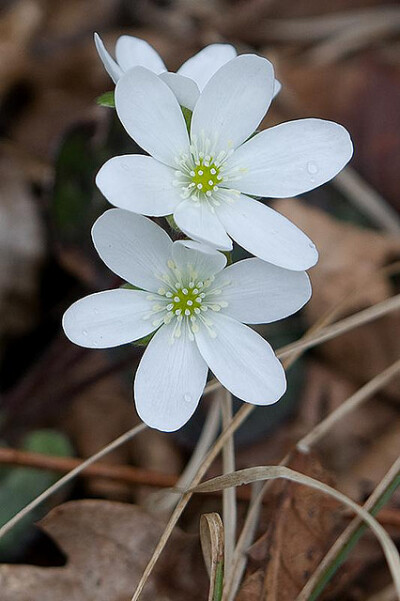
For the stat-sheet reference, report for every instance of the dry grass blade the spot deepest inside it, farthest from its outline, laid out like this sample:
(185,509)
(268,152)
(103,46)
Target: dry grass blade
(236,422)
(212,544)
(254,474)
(239,559)
(376,497)
(70,476)
(342,326)
(289,351)
(168,500)
(348,406)
(229,495)
(366,198)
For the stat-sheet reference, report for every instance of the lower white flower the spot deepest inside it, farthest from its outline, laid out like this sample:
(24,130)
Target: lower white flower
(186,83)
(196,307)
(206,177)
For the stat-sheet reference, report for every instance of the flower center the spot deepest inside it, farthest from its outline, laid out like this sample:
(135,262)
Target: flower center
(203,173)
(206,177)
(186,300)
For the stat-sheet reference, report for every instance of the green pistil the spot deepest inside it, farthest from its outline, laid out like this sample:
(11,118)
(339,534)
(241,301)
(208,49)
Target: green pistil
(206,177)
(186,301)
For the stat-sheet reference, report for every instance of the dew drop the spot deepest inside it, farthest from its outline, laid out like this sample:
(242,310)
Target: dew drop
(312,168)
(311,244)
(187,397)
(85,332)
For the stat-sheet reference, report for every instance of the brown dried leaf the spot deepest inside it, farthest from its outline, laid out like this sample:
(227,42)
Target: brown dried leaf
(350,260)
(108,545)
(301,529)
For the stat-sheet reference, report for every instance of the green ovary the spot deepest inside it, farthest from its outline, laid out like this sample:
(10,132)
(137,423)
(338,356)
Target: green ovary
(206,176)
(186,301)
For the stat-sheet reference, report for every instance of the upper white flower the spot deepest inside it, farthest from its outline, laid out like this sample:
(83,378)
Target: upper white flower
(204,178)
(186,83)
(196,306)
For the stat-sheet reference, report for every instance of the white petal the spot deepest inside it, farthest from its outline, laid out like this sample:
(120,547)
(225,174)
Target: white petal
(234,101)
(133,247)
(151,115)
(197,245)
(242,361)
(203,264)
(185,89)
(267,234)
(259,292)
(198,222)
(109,63)
(202,66)
(140,184)
(292,158)
(108,319)
(134,52)
(169,381)
(277,88)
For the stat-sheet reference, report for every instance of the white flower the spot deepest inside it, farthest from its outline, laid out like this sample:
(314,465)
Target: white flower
(196,306)
(205,178)
(190,78)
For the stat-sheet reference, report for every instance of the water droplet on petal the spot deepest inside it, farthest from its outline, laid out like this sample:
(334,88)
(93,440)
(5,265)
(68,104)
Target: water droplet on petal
(85,332)
(187,397)
(311,245)
(312,168)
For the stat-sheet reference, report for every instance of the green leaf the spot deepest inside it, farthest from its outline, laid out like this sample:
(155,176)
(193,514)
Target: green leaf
(107,99)
(172,224)
(187,113)
(23,484)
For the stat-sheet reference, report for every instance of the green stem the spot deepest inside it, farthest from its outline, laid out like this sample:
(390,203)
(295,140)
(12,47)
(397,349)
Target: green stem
(219,581)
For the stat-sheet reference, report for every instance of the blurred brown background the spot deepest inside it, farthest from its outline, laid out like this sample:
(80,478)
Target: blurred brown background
(337,60)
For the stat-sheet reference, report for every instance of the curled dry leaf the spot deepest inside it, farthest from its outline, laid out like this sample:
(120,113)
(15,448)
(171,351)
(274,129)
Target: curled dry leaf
(351,259)
(108,545)
(212,544)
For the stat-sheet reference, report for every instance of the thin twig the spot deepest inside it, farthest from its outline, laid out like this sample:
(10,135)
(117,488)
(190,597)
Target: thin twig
(229,496)
(119,473)
(208,434)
